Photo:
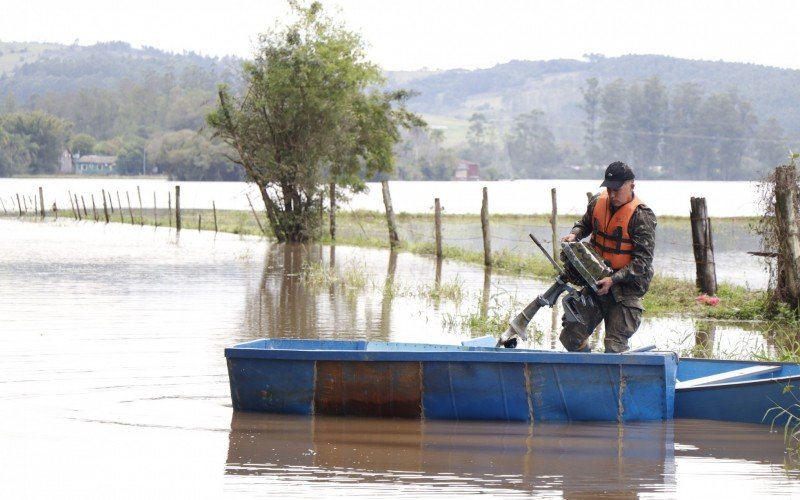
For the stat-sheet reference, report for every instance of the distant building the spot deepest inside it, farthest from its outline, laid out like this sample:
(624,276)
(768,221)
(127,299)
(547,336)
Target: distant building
(96,165)
(467,171)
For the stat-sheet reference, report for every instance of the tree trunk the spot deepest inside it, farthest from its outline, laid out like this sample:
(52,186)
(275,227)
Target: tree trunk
(789,249)
(332,210)
(394,241)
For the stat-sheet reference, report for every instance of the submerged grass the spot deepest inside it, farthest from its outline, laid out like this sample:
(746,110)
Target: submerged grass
(667,295)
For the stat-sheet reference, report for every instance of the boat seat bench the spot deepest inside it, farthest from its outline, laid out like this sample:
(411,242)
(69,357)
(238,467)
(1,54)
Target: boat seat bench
(728,376)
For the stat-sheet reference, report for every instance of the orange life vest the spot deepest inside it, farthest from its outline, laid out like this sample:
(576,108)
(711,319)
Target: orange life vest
(610,232)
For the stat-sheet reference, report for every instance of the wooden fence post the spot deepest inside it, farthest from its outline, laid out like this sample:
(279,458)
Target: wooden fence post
(85,212)
(394,241)
(78,207)
(554,223)
(105,206)
(703,245)
(214,207)
(121,211)
(252,209)
(437,224)
(141,209)
(177,208)
(130,210)
(94,208)
(41,202)
(487,239)
(332,210)
(19,205)
(155,210)
(789,245)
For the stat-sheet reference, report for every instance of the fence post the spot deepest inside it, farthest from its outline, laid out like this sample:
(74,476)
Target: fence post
(94,208)
(121,211)
(554,223)
(130,210)
(252,209)
(332,209)
(19,205)
(394,241)
(703,246)
(437,224)
(41,202)
(487,239)
(105,206)
(141,209)
(214,208)
(177,208)
(155,210)
(789,245)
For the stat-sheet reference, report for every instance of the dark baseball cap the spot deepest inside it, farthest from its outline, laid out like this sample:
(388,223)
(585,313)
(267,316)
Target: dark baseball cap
(616,175)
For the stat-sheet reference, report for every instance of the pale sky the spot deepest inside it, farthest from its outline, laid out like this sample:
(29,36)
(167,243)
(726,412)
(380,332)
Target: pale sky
(437,34)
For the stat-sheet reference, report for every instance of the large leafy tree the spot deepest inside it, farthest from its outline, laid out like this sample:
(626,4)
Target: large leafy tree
(36,138)
(311,115)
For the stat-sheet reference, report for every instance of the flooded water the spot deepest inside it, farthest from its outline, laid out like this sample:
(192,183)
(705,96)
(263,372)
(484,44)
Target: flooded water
(113,380)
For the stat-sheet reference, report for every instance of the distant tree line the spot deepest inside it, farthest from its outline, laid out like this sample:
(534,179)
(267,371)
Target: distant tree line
(686,132)
(148,108)
(144,106)
(682,133)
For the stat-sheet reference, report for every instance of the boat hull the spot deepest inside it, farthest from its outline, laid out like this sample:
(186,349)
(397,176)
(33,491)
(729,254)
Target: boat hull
(386,379)
(761,398)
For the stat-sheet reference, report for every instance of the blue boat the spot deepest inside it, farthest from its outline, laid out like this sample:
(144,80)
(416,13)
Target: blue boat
(737,391)
(388,379)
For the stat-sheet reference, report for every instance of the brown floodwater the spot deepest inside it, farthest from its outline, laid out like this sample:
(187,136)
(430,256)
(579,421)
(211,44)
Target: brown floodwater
(113,380)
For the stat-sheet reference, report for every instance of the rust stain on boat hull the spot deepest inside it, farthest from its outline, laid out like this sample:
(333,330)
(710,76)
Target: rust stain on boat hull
(379,389)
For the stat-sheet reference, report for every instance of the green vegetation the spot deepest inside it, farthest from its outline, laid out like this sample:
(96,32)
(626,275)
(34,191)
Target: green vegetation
(667,295)
(519,119)
(311,115)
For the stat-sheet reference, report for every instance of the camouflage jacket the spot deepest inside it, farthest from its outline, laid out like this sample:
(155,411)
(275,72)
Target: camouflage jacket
(632,281)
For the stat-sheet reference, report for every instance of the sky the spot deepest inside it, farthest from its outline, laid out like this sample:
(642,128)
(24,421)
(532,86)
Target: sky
(435,34)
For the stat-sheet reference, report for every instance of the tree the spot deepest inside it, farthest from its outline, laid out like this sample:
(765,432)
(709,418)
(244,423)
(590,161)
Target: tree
(481,145)
(311,115)
(613,114)
(421,155)
(682,146)
(591,106)
(43,136)
(771,146)
(82,144)
(646,122)
(531,146)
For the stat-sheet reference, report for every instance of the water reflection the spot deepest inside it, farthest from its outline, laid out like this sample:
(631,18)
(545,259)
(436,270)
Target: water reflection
(568,460)
(113,339)
(328,292)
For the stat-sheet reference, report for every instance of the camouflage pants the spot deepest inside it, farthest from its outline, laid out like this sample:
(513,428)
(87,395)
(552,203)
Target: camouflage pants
(621,322)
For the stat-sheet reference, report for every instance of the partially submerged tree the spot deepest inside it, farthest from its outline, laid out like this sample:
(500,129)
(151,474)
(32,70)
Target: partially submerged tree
(311,115)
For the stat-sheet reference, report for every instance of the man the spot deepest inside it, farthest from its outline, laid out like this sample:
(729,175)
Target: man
(623,231)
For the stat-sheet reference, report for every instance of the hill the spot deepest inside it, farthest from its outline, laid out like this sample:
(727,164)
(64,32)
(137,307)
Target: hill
(685,118)
(555,87)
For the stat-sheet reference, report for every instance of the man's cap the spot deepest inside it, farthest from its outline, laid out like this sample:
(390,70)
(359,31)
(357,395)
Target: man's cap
(616,175)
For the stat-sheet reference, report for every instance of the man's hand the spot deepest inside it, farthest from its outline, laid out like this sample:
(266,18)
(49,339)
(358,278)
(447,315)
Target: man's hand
(604,285)
(569,238)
